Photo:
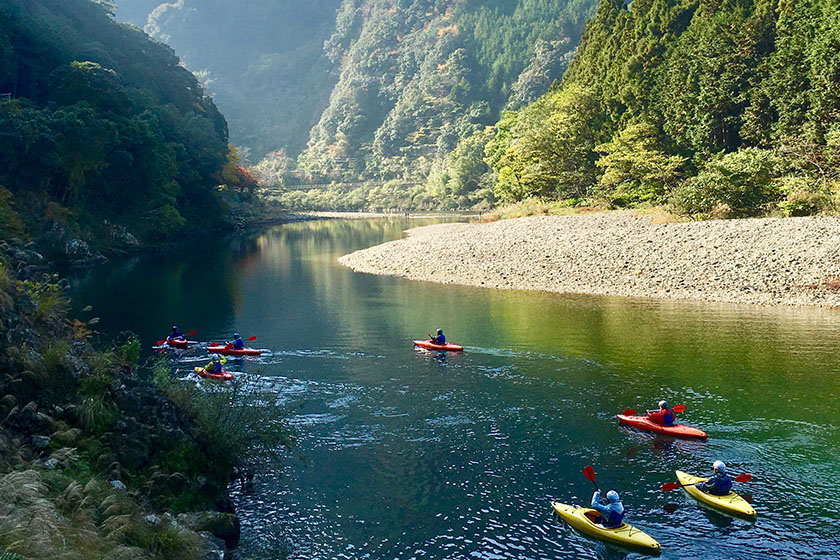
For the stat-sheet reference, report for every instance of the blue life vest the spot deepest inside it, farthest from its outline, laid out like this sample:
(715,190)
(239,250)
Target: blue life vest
(718,485)
(238,344)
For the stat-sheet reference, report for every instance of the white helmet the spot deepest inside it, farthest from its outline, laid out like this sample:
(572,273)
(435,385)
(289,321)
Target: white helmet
(613,496)
(720,467)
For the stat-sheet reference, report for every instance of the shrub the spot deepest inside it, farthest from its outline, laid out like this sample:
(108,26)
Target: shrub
(734,185)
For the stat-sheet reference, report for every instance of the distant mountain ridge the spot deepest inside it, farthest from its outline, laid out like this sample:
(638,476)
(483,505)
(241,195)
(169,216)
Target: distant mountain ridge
(368,89)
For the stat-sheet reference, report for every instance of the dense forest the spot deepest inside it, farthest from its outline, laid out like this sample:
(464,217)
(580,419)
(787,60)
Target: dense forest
(105,139)
(721,108)
(388,100)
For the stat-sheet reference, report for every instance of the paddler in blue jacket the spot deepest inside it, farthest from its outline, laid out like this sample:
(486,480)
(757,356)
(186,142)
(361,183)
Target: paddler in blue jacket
(718,484)
(176,334)
(612,514)
(238,343)
(439,339)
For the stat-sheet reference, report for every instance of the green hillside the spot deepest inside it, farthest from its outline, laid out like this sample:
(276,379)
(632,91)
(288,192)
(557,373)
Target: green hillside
(104,136)
(721,108)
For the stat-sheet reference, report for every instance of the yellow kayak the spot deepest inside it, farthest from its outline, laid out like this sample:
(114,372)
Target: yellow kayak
(732,503)
(625,535)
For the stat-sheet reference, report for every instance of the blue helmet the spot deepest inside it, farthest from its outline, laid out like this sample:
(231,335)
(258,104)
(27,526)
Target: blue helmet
(440,331)
(663,404)
(215,357)
(236,335)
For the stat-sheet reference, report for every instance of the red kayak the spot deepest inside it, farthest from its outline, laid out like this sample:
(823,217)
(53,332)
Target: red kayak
(677,430)
(224,376)
(230,351)
(180,343)
(429,345)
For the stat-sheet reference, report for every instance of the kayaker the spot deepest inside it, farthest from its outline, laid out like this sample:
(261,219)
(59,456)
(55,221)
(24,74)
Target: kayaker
(439,339)
(176,334)
(612,514)
(664,416)
(718,484)
(238,343)
(215,365)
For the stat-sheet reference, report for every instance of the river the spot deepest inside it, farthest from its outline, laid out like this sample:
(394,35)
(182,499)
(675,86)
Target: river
(406,454)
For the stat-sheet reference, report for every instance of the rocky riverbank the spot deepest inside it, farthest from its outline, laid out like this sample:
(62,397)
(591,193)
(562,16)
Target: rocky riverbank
(768,261)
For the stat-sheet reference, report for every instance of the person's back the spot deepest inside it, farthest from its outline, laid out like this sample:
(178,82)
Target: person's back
(238,343)
(440,339)
(215,366)
(664,416)
(612,514)
(719,484)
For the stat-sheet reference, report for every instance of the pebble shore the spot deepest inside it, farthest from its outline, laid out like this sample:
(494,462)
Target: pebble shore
(767,261)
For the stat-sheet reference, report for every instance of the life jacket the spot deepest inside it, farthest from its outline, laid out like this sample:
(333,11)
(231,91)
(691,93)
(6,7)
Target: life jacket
(214,367)
(440,339)
(718,485)
(668,417)
(614,516)
(238,344)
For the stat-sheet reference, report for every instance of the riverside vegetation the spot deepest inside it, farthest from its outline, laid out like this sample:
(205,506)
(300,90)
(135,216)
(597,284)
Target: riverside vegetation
(106,141)
(93,445)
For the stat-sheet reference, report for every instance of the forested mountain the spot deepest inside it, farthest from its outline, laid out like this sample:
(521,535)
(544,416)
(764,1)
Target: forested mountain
(721,107)
(103,133)
(263,60)
(371,90)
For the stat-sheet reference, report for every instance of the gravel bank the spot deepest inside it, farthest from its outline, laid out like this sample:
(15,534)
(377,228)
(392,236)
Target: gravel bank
(771,261)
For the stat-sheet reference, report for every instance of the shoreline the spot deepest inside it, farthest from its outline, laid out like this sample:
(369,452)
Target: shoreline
(765,261)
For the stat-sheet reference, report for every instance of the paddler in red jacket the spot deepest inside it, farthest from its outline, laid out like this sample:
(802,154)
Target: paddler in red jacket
(664,416)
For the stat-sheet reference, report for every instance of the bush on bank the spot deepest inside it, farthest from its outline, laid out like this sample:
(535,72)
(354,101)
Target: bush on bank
(90,448)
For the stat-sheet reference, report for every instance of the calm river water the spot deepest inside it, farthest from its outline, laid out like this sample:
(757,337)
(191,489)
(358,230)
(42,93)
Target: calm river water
(405,454)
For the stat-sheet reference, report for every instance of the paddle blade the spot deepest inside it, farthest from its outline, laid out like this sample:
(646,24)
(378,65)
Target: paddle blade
(629,412)
(679,409)
(589,473)
(192,333)
(161,342)
(668,486)
(747,498)
(251,338)
(743,478)
(670,508)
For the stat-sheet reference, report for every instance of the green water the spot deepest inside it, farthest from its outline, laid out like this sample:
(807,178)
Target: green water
(409,454)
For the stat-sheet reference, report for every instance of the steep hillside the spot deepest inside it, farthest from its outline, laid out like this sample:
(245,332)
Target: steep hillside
(720,107)
(263,60)
(418,76)
(104,136)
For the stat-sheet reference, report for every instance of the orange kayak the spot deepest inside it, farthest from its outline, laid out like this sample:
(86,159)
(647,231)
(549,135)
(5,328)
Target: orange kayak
(429,345)
(224,376)
(677,430)
(223,349)
(180,343)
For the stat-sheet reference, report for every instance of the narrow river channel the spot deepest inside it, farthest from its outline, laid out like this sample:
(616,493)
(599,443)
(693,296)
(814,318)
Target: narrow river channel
(406,454)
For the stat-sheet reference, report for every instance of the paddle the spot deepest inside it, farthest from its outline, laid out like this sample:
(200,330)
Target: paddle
(162,342)
(589,473)
(668,486)
(679,409)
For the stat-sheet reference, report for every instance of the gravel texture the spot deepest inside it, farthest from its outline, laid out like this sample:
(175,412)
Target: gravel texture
(768,261)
